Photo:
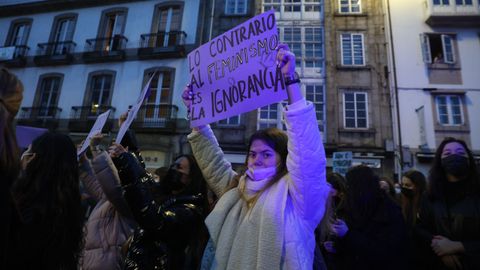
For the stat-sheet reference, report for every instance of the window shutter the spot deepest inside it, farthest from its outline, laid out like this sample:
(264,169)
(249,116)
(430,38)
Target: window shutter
(425,42)
(447,45)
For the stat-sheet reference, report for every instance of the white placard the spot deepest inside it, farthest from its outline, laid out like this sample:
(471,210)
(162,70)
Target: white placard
(97,128)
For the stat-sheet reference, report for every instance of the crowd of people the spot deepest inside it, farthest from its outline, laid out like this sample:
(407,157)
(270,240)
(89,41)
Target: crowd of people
(283,211)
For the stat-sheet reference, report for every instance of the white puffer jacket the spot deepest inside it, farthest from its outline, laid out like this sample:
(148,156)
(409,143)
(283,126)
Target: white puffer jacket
(278,232)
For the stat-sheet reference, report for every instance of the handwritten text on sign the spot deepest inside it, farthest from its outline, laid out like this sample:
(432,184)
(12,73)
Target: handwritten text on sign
(236,71)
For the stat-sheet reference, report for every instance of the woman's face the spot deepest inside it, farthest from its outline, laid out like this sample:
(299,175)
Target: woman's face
(407,183)
(261,155)
(454,148)
(183,166)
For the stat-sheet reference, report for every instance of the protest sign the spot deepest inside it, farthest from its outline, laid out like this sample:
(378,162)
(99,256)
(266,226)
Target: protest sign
(132,113)
(26,135)
(342,161)
(97,128)
(236,72)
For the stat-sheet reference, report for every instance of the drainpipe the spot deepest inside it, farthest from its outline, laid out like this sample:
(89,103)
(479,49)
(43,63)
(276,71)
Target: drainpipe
(212,14)
(395,86)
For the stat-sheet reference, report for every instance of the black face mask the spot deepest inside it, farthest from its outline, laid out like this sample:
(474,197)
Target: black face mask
(173,180)
(455,165)
(407,192)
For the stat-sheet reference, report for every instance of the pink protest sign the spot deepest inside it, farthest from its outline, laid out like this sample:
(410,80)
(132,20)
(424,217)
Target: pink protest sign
(236,71)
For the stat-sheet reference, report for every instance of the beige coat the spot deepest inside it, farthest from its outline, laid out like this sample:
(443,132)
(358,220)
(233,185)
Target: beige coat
(110,223)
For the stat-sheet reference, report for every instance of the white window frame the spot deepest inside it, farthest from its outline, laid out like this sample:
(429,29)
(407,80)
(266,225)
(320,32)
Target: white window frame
(315,43)
(236,3)
(44,112)
(233,121)
(317,87)
(350,5)
(270,122)
(442,3)
(448,48)
(463,3)
(449,104)
(352,48)
(355,93)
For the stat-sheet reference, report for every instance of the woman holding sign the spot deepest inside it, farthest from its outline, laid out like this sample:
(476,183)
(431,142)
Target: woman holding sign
(265,218)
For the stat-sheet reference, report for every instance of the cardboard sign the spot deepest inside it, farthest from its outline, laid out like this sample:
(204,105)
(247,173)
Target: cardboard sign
(236,72)
(342,161)
(26,135)
(132,113)
(97,128)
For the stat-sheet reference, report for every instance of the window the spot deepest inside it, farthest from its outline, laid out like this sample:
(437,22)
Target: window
(352,49)
(18,37)
(292,5)
(234,7)
(100,93)
(313,47)
(449,110)
(158,103)
(271,116)
(293,37)
(441,2)
(314,93)
(438,48)
(271,4)
(19,33)
(312,5)
(350,6)
(111,30)
(231,121)
(355,110)
(167,24)
(48,96)
(463,2)
(62,35)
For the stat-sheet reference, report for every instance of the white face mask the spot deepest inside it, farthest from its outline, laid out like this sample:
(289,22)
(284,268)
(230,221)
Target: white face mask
(261,173)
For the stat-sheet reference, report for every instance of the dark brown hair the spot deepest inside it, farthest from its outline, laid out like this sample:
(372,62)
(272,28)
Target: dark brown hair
(410,206)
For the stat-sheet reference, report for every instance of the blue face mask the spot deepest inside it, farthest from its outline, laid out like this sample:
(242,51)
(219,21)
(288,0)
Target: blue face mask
(261,173)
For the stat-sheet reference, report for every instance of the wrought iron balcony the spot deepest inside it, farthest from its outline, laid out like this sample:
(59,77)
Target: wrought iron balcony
(105,49)
(19,58)
(453,14)
(162,45)
(156,117)
(55,53)
(82,118)
(43,116)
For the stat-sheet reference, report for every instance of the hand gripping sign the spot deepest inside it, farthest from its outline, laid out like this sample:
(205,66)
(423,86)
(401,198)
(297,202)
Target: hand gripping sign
(236,72)
(97,128)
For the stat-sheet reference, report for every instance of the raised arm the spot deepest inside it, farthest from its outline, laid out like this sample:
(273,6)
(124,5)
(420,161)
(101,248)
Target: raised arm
(306,160)
(215,168)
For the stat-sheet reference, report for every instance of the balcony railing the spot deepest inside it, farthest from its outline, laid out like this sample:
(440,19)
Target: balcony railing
(156,116)
(453,14)
(55,53)
(82,118)
(19,56)
(162,44)
(105,49)
(43,116)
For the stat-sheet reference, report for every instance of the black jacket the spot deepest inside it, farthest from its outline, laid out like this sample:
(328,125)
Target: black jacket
(458,219)
(380,243)
(167,227)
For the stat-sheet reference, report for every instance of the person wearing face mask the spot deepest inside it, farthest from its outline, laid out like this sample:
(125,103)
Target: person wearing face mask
(452,216)
(170,214)
(265,218)
(413,187)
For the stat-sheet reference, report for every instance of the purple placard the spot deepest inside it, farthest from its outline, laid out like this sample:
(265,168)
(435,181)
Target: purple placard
(26,135)
(236,71)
